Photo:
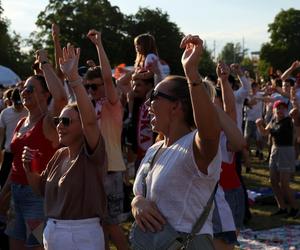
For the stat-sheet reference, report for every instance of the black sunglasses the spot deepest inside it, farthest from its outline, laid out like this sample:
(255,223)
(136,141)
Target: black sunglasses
(93,86)
(154,94)
(66,121)
(28,89)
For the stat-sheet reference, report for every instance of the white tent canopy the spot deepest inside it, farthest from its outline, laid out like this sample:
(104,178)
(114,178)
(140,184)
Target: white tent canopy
(8,77)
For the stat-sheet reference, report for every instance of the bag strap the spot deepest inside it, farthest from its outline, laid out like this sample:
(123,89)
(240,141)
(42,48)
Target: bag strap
(201,220)
(147,169)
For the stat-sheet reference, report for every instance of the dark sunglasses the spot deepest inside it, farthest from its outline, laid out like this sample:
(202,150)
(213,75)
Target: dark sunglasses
(154,94)
(28,89)
(93,86)
(66,121)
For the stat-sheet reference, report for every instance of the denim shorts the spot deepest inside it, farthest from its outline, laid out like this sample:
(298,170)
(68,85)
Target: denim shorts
(282,159)
(28,224)
(236,201)
(113,185)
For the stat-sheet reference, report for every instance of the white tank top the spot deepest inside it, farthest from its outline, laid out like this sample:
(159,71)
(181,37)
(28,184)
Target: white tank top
(179,189)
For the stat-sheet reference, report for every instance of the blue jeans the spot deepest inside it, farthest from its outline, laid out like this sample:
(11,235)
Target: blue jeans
(28,224)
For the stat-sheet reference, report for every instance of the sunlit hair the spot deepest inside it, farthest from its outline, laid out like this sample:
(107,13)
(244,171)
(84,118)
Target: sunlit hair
(147,44)
(72,105)
(179,89)
(41,79)
(93,72)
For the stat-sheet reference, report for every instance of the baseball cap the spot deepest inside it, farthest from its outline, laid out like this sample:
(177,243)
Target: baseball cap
(279,102)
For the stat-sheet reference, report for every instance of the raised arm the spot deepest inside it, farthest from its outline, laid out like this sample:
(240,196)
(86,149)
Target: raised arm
(244,90)
(57,49)
(286,74)
(69,65)
(261,128)
(205,115)
(59,96)
(110,89)
(227,92)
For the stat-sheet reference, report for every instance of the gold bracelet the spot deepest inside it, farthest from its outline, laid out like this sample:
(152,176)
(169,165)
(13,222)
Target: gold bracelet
(194,84)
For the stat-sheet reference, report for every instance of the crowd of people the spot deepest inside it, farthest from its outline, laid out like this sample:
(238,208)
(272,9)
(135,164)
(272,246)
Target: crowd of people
(82,149)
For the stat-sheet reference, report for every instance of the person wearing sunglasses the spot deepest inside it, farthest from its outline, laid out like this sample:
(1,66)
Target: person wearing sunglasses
(187,162)
(36,131)
(109,111)
(72,183)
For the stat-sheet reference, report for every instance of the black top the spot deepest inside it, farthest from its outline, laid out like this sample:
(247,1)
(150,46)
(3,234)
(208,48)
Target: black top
(282,132)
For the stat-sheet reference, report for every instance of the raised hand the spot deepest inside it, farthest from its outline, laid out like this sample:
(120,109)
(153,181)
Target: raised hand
(27,156)
(236,69)
(222,71)
(69,62)
(295,65)
(94,36)
(55,30)
(193,46)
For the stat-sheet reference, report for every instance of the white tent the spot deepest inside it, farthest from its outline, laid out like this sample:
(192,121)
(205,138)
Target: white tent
(8,77)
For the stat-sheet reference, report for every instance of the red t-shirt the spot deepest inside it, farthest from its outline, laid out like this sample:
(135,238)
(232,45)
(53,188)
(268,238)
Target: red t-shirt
(229,178)
(34,139)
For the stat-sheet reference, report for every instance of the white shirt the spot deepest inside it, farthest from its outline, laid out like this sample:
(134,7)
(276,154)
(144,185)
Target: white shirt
(256,111)
(240,96)
(9,119)
(224,210)
(179,189)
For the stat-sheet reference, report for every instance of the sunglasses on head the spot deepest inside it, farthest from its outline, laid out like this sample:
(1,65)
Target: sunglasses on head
(66,121)
(154,94)
(28,89)
(93,86)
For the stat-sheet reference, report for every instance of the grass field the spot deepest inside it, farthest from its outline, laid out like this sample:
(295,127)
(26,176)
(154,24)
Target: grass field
(261,219)
(259,177)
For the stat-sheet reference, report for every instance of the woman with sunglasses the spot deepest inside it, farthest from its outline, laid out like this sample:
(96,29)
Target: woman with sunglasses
(38,132)
(186,165)
(74,173)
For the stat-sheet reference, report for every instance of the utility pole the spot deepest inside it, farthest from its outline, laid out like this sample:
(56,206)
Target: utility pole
(214,50)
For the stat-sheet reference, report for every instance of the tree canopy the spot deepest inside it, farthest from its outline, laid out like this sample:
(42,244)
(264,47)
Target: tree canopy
(76,17)
(284,45)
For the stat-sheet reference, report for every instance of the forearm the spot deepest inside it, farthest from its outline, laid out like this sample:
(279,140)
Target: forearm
(110,89)
(233,134)
(228,99)
(55,86)
(286,74)
(58,54)
(205,115)
(244,82)
(34,180)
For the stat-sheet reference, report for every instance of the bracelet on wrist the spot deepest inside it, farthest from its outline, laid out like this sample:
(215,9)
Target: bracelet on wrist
(75,83)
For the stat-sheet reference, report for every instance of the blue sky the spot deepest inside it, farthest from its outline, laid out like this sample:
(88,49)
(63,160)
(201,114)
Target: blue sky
(221,21)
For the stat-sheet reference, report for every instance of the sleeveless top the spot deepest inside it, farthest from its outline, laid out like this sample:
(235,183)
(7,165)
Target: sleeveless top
(176,185)
(34,139)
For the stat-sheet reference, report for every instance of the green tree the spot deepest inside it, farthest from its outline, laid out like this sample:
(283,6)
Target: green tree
(207,66)
(10,51)
(75,18)
(284,46)
(232,53)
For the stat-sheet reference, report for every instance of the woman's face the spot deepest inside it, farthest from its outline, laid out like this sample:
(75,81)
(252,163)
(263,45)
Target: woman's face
(32,94)
(138,48)
(69,127)
(161,108)
(95,88)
